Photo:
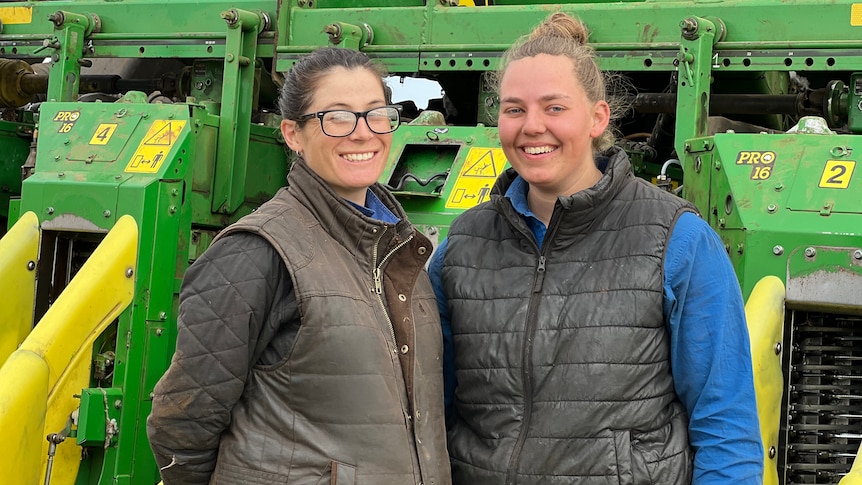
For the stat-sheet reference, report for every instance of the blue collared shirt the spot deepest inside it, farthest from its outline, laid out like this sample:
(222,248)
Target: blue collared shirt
(709,347)
(375,209)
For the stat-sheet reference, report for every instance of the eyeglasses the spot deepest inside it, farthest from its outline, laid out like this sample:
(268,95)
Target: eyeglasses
(340,123)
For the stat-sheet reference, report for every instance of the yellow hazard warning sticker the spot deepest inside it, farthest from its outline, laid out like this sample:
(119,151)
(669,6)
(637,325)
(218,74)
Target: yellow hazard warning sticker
(154,148)
(856,14)
(837,174)
(103,134)
(16,15)
(477,176)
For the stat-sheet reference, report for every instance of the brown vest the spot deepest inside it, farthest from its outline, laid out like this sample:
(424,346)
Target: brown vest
(359,399)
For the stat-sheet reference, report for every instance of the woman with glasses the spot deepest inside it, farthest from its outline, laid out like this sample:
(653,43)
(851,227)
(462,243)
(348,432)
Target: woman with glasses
(309,346)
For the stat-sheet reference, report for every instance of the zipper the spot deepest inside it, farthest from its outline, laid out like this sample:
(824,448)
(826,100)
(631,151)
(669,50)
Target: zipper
(377,274)
(527,351)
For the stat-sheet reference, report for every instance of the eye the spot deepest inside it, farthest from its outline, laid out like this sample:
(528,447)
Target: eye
(556,109)
(512,111)
(340,117)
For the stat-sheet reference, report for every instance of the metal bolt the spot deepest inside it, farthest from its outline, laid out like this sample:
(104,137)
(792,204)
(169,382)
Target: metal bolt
(163,315)
(172,209)
(771,208)
(778,250)
(31,265)
(118,404)
(432,231)
(61,174)
(107,213)
(772,452)
(129,272)
(159,332)
(50,210)
(810,252)
(857,254)
(777,348)
(779,187)
(688,26)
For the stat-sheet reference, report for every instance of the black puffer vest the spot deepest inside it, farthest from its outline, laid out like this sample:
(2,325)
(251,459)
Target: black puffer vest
(358,399)
(562,354)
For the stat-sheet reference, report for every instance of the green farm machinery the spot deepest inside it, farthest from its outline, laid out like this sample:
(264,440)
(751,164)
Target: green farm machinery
(133,131)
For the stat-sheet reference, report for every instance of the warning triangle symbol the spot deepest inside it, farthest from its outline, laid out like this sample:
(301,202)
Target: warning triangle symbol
(163,137)
(483,167)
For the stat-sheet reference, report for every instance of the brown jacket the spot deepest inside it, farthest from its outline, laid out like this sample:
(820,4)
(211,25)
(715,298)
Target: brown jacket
(359,398)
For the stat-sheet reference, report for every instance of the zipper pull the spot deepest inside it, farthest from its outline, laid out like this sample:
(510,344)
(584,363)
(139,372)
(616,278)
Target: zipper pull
(540,275)
(378,281)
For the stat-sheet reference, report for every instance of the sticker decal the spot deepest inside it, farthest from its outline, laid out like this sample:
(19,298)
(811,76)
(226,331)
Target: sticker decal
(837,174)
(761,163)
(477,176)
(67,120)
(103,134)
(154,148)
(16,15)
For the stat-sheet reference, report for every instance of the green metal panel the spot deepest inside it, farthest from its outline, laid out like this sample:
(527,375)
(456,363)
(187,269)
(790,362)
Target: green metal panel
(14,147)
(763,195)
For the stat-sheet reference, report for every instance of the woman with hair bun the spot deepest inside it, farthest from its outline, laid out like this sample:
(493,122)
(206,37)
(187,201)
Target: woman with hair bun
(593,325)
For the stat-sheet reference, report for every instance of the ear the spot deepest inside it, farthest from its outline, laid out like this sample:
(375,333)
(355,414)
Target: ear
(601,118)
(291,135)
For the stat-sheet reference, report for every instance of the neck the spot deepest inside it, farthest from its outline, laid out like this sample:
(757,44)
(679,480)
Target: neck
(541,204)
(542,200)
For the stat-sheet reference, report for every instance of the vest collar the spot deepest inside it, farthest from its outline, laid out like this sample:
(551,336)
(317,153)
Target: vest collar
(585,204)
(346,224)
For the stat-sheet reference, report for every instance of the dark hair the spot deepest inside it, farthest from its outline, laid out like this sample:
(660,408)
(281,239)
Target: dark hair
(566,36)
(301,80)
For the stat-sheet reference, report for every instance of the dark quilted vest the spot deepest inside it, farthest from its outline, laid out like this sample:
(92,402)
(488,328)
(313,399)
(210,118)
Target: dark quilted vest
(562,355)
(347,405)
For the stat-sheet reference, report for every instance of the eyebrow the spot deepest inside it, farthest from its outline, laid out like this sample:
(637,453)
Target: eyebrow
(547,97)
(342,106)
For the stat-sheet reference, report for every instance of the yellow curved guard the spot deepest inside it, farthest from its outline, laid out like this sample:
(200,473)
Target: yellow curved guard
(53,363)
(19,249)
(764,313)
(855,475)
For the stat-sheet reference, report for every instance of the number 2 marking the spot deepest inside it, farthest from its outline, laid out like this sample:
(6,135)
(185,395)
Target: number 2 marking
(837,174)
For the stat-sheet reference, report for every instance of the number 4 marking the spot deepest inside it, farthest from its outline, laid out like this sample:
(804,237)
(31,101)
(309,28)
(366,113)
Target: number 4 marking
(103,134)
(837,174)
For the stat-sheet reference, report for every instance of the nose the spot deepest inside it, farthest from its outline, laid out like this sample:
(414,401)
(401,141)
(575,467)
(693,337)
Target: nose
(533,122)
(362,131)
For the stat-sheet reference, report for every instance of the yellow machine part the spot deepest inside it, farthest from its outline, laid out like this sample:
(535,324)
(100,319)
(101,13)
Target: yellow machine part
(764,313)
(855,475)
(19,249)
(38,381)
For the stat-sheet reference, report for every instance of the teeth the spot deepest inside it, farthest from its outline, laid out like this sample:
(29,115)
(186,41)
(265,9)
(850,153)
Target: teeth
(538,150)
(358,157)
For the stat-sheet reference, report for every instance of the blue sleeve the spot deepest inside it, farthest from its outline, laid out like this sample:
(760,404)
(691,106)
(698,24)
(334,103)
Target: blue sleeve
(711,356)
(435,271)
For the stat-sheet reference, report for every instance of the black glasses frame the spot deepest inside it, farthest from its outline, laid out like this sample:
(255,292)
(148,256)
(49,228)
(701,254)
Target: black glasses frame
(357,114)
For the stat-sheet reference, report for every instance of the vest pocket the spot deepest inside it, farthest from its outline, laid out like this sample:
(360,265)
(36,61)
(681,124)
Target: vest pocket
(631,466)
(337,473)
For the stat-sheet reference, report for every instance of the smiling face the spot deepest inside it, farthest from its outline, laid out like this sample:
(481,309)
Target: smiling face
(349,164)
(547,124)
